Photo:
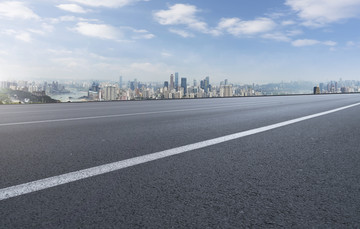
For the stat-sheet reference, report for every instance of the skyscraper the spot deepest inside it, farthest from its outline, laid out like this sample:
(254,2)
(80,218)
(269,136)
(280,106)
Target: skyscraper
(207,83)
(110,93)
(176,81)
(171,82)
(120,82)
(184,85)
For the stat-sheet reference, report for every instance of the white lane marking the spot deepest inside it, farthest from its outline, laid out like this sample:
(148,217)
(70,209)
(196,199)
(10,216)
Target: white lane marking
(125,115)
(50,182)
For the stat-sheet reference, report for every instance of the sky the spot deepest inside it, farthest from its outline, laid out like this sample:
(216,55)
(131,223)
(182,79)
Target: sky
(244,41)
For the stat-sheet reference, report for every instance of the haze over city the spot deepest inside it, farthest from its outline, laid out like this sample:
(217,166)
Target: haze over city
(242,41)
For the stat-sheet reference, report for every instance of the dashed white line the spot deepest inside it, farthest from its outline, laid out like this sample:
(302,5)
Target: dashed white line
(50,182)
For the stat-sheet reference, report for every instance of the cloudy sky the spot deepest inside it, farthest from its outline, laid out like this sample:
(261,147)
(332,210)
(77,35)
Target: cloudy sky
(244,41)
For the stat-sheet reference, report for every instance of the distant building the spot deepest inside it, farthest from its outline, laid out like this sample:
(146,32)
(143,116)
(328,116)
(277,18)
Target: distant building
(226,91)
(94,92)
(109,93)
(207,84)
(171,82)
(166,84)
(184,85)
(176,81)
(120,82)
(344,90)
(95,87)
(39,93)
(316,90)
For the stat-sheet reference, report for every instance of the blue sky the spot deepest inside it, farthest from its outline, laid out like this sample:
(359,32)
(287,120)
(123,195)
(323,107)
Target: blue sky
(244,41)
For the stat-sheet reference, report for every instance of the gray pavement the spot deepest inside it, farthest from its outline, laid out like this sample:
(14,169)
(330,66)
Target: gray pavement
(301,175)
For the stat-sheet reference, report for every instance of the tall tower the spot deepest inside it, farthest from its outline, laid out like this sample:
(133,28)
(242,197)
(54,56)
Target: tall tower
(171,82)
(176,81)
(207,83)
(184,85)
(120,82)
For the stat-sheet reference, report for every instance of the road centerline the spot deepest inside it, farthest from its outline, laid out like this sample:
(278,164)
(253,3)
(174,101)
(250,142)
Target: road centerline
(54,181)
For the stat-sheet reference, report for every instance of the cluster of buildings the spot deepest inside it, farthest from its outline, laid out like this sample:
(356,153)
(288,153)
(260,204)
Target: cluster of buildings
(35,87)
(347,86)
(174,88)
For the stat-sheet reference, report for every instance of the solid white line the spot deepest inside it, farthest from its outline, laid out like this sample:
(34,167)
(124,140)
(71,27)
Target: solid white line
(124,115)
(38,185)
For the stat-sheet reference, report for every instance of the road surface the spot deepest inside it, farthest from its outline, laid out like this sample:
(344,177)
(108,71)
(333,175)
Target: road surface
(289,161)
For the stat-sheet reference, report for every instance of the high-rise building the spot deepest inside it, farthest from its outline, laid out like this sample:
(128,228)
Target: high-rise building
(109,93)
(206,84)
(226,91)
(316,90)
(171,82)
(176,81)
(184,85)
(120,82)
(166,84)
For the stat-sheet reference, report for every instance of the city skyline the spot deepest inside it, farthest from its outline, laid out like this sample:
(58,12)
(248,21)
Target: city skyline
(19,91)
(244,42)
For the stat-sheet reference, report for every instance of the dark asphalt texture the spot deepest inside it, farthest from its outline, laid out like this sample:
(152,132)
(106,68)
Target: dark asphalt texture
(301,176)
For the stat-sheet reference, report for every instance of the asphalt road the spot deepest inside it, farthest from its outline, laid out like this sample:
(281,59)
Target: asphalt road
(301,175)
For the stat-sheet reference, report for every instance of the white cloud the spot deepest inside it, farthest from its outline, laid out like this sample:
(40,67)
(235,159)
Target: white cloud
(106,3)
(60,51)
(292,33)
(238,27)
(305,42)
(141,34)
(182,33)
(45,29)
(16,10)
(309,42)
(288,22)
(166,54)
(70,18)
(9,32)
(145,68)
(72,8)
(316,13)
(330,43)
(109,32)
(184,14)
(144,36)
(276,37)
(350,43)
(102,31)
(23,36)
(36,31)
(2,52)
(19,35)
(70,62)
